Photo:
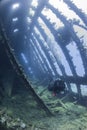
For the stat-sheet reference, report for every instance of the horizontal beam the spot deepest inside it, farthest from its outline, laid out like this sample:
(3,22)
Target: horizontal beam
(75,79)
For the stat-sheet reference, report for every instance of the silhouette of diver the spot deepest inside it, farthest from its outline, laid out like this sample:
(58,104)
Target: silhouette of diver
(57,86)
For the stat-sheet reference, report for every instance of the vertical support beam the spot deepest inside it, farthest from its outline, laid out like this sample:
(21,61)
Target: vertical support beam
(46,52)
(45,62)
(37,66)
(38,56)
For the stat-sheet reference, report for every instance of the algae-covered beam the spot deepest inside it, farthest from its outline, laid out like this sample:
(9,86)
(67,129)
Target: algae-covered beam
(75,79)
(20,72)
(78,11)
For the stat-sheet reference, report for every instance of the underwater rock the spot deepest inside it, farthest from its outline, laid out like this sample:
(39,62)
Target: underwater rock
(11,123)
(3,119)
(23,125)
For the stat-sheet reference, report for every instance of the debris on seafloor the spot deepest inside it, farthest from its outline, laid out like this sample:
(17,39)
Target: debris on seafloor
(22,113)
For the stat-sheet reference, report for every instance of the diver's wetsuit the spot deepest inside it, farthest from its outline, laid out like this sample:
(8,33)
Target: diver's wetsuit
(57,87)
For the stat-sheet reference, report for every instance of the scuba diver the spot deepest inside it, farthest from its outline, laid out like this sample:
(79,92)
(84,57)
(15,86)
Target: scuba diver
(57,86)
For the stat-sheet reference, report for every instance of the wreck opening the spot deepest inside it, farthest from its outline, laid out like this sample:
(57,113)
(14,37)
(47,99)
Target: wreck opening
(40,41)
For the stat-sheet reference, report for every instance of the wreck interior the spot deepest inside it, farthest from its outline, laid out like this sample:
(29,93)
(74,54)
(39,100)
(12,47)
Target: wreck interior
(41,40)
